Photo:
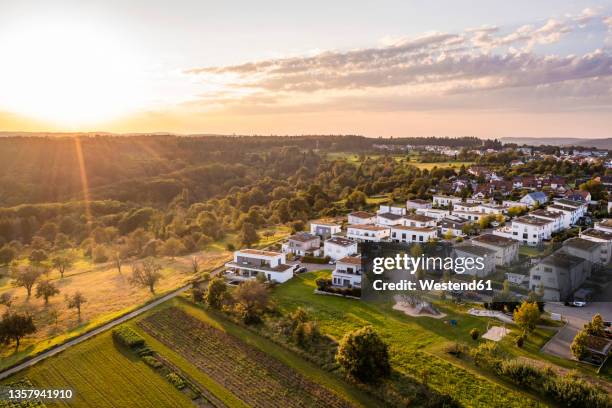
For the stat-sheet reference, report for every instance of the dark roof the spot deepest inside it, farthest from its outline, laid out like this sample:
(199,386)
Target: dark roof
(569,203)
(475,250)
(562,260)
(446,223)
(546,214)
(595,233)
(419,217)
(354,260)
(527,219)
(362,214)
(303,237)
(495,240)
(391,216)
(340,241)
(581,243)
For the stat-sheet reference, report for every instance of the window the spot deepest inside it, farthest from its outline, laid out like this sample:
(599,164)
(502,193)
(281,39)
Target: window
(536,277)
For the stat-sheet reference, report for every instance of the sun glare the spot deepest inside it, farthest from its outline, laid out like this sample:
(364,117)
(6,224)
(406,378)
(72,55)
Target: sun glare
(69,74)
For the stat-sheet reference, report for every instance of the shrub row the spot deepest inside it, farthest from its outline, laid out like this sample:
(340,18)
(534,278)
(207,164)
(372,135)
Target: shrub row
(315,260)
(128,337)
(176,380)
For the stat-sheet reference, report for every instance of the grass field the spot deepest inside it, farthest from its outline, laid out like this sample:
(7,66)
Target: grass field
(102,374)
(452,164)
(416,344)
(410,159)
(108,293)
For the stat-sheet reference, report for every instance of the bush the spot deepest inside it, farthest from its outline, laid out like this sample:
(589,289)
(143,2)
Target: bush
(364,355)
(152,362)
(520,340)
(487,354)
(474,334)
(522,373)
(455,349)
(323,283)
(176,380)
(315,260)
(128,337)
(572,391)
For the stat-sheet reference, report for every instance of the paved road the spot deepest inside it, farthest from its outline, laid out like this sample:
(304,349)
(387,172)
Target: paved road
(97,331)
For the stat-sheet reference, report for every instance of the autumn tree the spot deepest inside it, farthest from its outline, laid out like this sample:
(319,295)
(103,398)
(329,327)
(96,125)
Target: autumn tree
(195,264)
(26,277)
(251,300)
(579,344)
(217,291)
(46,289)
(363,355)
(248,234)
(61,263)
(146,274)
(596,326)
(37,256)
(76,301)
(173,247)
(7,254)
(527,316)
(119,254)
(13,327)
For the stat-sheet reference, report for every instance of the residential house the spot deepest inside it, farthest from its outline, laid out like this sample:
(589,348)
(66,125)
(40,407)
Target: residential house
(572,210)
(534,198)
(604,225)
(510,204)
(361,218)
(603,237)
(391,209)
(559,274)
(433,213)
(586,249)
(388,219)
(338,247)
(401,233)
(527,229)
(454,225)
(302,243)
(347,272)
(445,201)
(486,255)
(417,203)
(578,195)
(556,217)
(418,220)
(248,263)
(506,249)
(367,233)
(324,229)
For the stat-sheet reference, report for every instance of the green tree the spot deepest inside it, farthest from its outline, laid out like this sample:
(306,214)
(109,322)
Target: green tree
(46,289)
(248,234)
(527,316)
(251,300)
(76,301)
(173,247)
(13,327)
(217,292)
(7,254)
(61,263)
(363,355)
(37,256)
(579,344)
(356,200)
(596,326)
(26,277)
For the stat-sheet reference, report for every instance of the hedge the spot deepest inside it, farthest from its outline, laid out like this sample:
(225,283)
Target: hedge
(128,337)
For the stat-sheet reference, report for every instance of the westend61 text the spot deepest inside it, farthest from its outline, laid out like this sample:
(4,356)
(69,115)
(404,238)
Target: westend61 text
(475,285)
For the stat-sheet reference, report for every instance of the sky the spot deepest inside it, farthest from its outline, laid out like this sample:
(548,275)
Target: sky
(386,68)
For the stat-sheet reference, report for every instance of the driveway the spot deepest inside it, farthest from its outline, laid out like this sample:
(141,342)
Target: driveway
(313,267)
(575,317)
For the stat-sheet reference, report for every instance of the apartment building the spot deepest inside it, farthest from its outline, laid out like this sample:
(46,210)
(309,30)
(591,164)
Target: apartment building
(324,229)
(486,256)
(368,233)
(418,203)
(361,218)
(506,249)
(445,201)
(347,272)
(338,247)
(560,275)
(401,233)
(556,217)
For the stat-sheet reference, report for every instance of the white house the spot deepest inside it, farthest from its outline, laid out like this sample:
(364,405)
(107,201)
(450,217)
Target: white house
(401,233)
(418,203)
(339,247)
(485,255)
(367,233)
(506,249)
(383,209)
(573,210)
(454,225)
(347,272)
(433,213)
(445,201)
(534,198)
(559,274)
(527,229)
(510,204)
(469,215)
(248,263)
(418,220)
(466,207)
(361,218)
(388,219)
(302,243)
(324,229)
(603,237)
(604,225)
(491,209)
(557,217)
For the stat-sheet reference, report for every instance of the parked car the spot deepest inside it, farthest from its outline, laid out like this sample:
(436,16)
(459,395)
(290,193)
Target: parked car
(302,270)
(576,303)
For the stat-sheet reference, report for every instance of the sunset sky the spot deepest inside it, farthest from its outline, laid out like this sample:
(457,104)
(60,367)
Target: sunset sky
(385,68)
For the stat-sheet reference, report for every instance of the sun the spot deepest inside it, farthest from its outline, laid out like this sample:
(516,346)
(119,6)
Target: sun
(69,73)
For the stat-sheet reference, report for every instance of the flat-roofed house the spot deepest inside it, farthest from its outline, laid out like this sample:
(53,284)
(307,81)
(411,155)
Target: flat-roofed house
(604,225)
(324,229)
(367,233)
(440,200)
(388,219)
(402,233)
(339,247)
(506,249)
(559,274)
(531,230)
(574,210)
(391,209)
(454,225)
(585,249)
(433,213)
(418,220)
(302,243)
(347,272)
(485,255)
(248,263)
(602,237)
(555,216)
(417,203)
(361,218)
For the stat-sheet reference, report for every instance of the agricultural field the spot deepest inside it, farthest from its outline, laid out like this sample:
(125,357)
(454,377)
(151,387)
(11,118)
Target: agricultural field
(412,159)
(417,345)
(108,293)
(429,166)
(247,372)
(104,374)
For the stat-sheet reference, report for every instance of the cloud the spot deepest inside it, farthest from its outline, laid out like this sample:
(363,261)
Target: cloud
(429,67)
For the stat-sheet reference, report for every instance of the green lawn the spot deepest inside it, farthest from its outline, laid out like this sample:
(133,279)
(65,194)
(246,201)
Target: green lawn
(416,344)
(103,375)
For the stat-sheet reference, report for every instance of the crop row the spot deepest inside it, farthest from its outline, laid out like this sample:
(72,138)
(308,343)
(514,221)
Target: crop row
(252,375)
